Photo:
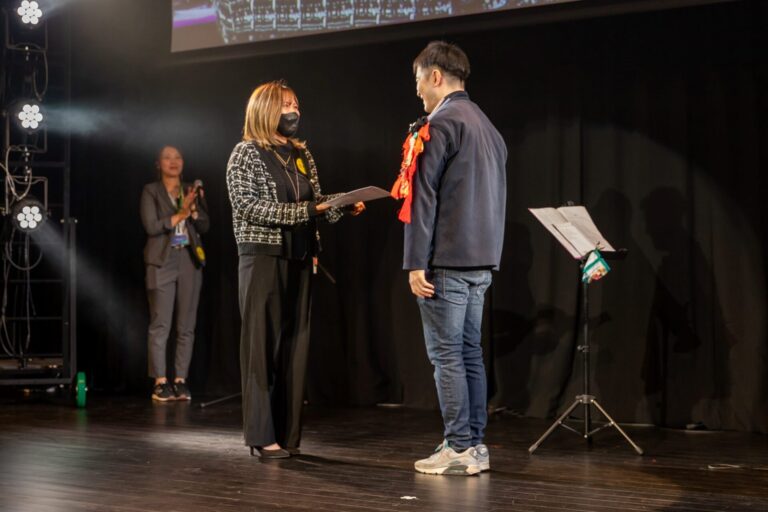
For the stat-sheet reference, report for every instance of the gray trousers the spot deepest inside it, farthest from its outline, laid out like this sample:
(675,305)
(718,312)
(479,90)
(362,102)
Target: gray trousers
(178,283)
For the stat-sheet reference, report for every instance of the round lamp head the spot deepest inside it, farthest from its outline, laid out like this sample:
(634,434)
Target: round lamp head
(28,214)
(29,13)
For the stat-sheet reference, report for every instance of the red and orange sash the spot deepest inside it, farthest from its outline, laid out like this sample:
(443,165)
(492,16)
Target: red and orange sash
(403,187)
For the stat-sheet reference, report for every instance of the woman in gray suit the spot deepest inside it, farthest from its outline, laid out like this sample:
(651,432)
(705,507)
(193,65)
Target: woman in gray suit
(173,220)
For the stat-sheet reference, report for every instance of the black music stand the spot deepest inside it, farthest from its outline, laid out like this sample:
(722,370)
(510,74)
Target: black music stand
(575,230)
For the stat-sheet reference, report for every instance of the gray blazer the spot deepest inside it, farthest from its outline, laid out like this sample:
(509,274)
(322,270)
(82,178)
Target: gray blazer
(156,212)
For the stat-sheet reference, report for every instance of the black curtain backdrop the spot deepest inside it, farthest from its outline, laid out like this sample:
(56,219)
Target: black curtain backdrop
(656,122)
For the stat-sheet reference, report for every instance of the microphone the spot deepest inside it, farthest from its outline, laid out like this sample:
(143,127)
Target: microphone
(197,186)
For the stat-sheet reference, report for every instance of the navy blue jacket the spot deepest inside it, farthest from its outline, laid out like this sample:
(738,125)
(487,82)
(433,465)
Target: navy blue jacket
(459,191)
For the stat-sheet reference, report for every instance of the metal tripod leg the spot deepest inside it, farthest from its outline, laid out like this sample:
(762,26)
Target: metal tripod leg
(616,426)
(558,422)
(586,400)
(219,400)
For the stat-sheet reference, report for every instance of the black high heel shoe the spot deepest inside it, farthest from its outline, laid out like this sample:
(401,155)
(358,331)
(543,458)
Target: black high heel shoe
(269,454)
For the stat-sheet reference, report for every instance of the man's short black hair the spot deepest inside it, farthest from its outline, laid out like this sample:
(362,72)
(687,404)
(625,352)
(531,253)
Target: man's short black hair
(447,57)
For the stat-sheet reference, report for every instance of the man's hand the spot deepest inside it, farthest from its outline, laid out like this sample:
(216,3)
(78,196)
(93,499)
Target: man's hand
(419,284)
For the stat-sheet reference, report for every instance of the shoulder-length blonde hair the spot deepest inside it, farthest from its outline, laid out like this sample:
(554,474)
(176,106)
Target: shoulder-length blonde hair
(262,115)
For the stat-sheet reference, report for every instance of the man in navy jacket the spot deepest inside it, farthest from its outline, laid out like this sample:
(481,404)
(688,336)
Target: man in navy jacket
(453,242)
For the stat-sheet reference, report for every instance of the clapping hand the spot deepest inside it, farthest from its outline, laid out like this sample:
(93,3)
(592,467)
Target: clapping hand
(189,198)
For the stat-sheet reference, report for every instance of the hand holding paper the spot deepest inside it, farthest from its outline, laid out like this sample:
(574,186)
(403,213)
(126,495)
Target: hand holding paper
(357,209)
(353,198)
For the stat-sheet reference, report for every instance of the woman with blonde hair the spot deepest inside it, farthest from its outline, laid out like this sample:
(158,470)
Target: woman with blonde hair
(276,200)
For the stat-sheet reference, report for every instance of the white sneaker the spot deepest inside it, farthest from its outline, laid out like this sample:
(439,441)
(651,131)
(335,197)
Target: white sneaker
(483,457)
(446,461)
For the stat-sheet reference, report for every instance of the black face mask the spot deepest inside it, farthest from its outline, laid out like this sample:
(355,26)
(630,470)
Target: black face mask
(289,124)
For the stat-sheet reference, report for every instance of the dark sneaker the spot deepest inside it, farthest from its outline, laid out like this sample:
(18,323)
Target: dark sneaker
(181,391)
(163,392)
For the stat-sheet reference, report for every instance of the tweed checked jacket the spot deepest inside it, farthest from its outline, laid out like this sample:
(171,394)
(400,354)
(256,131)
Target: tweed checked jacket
(257,215)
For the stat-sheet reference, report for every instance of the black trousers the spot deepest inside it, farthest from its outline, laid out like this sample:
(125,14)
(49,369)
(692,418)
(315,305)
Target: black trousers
(275,302)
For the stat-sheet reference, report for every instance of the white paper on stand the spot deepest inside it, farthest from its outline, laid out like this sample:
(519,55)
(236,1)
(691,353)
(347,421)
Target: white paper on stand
(573,228)
(579,217)
(574,237)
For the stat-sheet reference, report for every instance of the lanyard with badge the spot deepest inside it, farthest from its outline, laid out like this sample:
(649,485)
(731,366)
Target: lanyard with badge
(179,237)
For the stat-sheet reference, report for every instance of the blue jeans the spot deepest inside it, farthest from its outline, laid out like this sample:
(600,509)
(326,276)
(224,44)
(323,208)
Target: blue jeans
(452,320)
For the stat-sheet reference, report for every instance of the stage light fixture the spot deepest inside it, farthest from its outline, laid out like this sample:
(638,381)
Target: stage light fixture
(28,214)
(30,13)
(30,115)
(26,126)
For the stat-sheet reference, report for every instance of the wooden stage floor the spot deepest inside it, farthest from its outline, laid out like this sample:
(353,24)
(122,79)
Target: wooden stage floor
(127,454)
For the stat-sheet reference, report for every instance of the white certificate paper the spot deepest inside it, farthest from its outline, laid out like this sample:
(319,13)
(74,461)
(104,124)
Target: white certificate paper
(356,196)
